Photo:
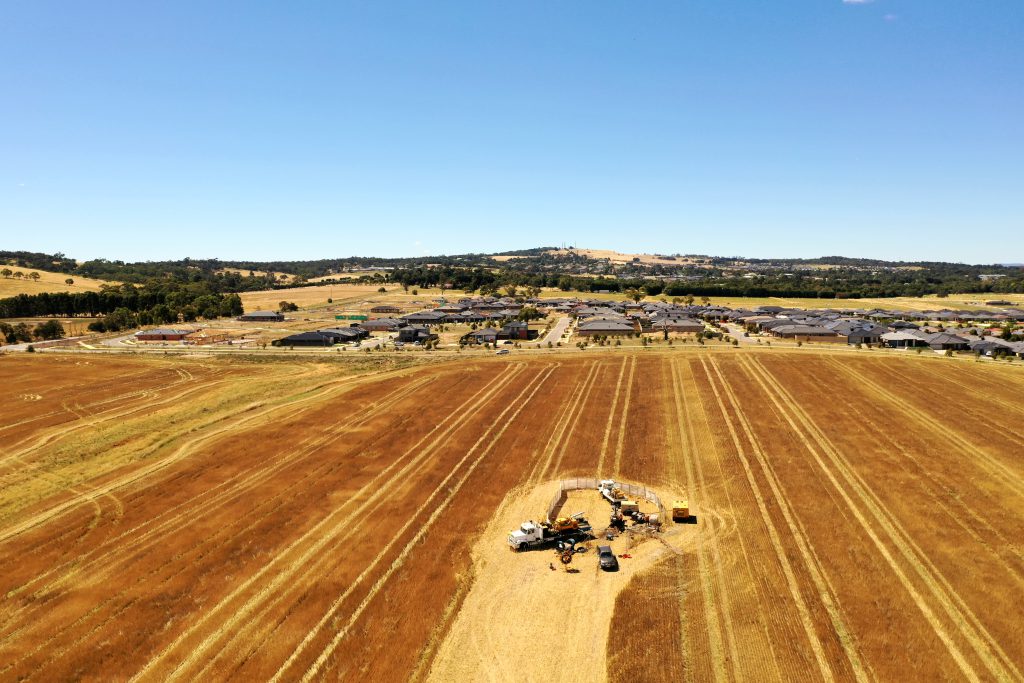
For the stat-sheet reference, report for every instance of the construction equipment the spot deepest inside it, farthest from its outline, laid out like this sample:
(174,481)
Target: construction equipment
(680,511)
(612,493)
(533,534)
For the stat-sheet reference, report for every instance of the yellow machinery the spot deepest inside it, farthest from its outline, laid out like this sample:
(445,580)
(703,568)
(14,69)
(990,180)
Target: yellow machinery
(680,510)
(565,524)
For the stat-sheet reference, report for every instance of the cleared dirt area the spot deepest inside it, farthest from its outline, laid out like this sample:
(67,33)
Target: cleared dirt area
(524,609)
(857,518)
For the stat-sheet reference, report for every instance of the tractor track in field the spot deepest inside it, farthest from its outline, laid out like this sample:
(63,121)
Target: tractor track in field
(966,407)
(210,431)
(102,402)
(333,524)
(617,467)
(550,456)
(611,413)
(320,566)
(998,469)
(939,490)
(806,617)
(182,514)
(711,582)
(85,421)
(133,550)
(824,587)
(820,447)
(515,408)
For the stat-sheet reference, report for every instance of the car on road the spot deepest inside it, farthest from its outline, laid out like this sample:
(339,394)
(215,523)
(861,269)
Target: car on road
(606,558)
(501,352)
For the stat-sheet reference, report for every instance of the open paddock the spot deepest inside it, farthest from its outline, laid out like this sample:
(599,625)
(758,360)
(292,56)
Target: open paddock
(857,516)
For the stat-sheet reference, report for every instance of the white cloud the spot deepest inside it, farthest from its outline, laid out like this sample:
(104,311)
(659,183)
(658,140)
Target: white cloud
(891,17)
(857,2)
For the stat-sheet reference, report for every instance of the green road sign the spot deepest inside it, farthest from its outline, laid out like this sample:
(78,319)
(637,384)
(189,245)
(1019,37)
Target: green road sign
(352,316)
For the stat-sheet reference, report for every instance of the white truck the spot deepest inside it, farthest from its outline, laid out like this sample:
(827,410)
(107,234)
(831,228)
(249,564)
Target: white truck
(534,534)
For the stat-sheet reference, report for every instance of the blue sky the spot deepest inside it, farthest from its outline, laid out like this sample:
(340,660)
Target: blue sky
(889,129)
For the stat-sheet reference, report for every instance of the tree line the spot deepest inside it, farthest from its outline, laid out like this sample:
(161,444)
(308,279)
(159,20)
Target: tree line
(126,306)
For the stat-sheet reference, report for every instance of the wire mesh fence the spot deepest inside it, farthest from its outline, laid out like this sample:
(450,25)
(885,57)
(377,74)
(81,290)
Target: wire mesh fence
(588,483)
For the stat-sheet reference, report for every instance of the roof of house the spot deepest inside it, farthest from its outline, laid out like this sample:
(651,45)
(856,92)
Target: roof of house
(263,314)
(163,331)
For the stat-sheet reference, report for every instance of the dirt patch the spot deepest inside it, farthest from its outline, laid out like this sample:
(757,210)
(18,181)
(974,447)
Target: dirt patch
(521,620)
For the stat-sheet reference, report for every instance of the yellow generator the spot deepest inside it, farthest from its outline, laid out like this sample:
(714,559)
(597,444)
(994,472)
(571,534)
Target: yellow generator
(680,511)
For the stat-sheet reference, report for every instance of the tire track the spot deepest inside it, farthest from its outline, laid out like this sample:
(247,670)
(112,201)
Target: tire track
(803,611)
(135,548)
(334,522)
(821,448)
(611,418)
(452,491)
(617,467)
(183,514)
(998,469)
(695,488)
(243,416)
(320,565)
(826,591)
(565,427)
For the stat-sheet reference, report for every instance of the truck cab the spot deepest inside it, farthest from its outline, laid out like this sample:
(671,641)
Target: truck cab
(680,510)
(529,533)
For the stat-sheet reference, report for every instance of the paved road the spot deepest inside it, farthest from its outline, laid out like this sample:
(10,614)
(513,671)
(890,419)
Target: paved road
(555,335)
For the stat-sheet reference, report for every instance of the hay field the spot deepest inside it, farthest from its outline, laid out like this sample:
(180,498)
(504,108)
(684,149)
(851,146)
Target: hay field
(346,297)
(857,517)
(48,282)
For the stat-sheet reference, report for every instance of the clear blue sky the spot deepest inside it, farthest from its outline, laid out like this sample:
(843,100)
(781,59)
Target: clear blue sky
(145,130)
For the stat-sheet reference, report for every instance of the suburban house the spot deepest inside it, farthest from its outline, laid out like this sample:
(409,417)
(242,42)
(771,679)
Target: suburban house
(605,326)
(306,339)
(382,324)
(387,309)
(487,335)
(415,333)
(943,341)
(262,317)
(902,339)
(515,329)
(677,325)
(425,318)
(328,337)
(161,334)
(805,333)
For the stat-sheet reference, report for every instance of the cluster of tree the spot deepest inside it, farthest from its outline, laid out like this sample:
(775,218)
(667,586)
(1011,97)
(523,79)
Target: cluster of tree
(542,267)
(21,332)
(126,306)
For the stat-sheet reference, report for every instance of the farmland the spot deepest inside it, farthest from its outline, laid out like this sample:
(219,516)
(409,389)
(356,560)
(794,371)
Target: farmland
(47,282)
(188,518)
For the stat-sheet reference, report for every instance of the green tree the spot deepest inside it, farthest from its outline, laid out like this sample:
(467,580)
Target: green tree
(51,329)
(34,276)
(69,282)
(6,272)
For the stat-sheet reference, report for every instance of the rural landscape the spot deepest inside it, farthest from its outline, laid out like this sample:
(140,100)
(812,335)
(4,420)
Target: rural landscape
(177,518)
(533,342)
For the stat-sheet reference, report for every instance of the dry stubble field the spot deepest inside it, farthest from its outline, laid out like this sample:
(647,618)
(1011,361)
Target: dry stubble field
(857,517)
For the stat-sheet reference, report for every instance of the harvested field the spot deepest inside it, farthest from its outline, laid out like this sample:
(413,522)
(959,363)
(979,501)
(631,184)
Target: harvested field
(47,282)
(857,518)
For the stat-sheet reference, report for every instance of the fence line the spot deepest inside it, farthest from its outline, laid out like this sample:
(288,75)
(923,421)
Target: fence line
(583,484)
